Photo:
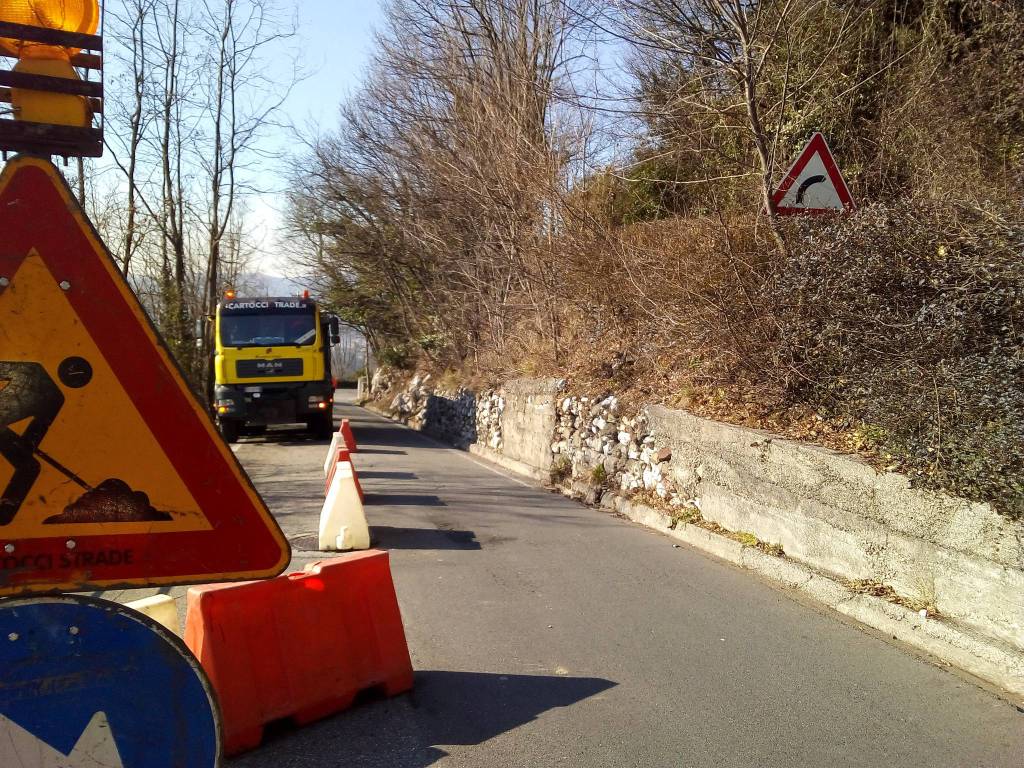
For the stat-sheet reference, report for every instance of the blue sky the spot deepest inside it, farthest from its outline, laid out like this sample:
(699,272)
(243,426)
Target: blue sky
(334,39)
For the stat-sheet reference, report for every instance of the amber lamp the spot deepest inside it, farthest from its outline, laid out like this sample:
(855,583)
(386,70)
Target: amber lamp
(34,58)
(65,15)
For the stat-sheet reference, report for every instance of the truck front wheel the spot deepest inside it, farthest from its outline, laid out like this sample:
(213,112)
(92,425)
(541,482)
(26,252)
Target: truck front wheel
(228,430)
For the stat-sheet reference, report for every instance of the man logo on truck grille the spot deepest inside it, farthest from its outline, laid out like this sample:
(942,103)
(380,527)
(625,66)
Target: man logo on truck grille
(262,368)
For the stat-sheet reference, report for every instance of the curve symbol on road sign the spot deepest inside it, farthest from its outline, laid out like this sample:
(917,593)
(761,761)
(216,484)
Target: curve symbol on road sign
(814,183)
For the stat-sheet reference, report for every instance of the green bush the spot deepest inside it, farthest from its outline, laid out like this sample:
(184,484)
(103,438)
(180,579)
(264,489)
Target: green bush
(908,318)
(400,356)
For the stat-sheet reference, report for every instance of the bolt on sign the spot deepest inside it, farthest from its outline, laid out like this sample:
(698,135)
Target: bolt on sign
(111,473)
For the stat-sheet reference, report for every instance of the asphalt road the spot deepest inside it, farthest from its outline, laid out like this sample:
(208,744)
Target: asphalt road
(545,633)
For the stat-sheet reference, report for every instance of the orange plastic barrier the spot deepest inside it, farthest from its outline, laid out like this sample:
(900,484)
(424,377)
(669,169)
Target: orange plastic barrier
(344,455)
(359,486)
(300,646)
(346,432)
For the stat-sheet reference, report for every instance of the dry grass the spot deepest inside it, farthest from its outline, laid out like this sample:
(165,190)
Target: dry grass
(878,589)
(893,335)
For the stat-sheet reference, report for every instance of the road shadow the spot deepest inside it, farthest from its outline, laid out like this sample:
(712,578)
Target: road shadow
(445,708)
(388,537)
(376,475)
(380,452)
(403,500)
(281,435)
(375,433)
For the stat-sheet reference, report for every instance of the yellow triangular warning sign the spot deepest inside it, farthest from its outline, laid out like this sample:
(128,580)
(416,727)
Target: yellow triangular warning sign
(110,471)
(32,306)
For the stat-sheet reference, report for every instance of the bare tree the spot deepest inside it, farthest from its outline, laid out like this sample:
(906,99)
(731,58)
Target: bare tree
(131,113)
(240,103)
(189,102)
(446,179)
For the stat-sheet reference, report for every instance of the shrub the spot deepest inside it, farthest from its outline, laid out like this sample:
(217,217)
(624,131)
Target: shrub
(561,470)
(909,318)
(399,356)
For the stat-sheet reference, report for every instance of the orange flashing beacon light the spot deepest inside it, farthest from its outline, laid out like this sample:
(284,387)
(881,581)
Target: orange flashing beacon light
(80,16)
(47,38)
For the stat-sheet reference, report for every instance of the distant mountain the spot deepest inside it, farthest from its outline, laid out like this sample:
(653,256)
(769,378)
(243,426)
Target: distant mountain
(262,284)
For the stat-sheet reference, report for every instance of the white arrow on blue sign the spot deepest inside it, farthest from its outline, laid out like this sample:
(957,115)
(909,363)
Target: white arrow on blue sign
(91,684)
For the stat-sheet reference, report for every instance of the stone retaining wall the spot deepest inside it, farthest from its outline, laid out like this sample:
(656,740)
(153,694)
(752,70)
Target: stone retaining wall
(528,417)
(830,512)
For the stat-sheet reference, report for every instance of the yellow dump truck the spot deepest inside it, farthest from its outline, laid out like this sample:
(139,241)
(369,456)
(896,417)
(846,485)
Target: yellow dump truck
(273,364)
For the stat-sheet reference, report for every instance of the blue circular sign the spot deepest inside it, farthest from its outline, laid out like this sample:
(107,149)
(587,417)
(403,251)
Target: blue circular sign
(86,683)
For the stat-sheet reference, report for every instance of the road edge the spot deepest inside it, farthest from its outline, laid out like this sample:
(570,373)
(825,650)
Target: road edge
(947,643)
(989,661)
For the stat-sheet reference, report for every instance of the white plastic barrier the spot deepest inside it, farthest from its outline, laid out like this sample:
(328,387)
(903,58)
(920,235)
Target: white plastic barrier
(160,608)
(343,522)
(332,453)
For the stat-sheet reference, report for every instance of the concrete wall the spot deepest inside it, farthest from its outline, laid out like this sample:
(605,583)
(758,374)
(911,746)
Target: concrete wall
(839,515)
(832,513)
(528,420)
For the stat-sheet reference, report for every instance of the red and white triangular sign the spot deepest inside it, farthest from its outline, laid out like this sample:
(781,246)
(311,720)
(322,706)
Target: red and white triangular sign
(813,183)
(111,472)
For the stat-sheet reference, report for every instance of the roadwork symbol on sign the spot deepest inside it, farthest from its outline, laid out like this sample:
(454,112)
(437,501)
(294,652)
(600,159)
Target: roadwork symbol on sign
(89,684)
(813,183)
(110,471)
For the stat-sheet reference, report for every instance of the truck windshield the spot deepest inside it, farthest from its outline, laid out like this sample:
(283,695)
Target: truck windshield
(267,330)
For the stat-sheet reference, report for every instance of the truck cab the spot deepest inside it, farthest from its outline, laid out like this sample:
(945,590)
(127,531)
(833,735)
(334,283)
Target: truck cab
(272,364)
